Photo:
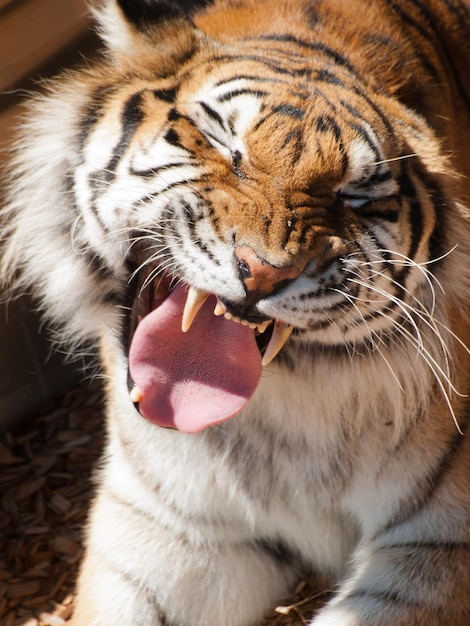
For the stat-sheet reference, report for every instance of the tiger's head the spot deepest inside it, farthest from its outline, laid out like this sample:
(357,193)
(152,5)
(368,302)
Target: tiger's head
(227,185)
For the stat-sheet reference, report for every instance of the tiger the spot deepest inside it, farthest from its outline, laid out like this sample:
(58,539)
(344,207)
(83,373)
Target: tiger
(258,212)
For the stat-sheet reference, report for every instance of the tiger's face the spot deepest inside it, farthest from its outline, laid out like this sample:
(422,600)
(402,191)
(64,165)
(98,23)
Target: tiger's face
(285,195)
(257,193)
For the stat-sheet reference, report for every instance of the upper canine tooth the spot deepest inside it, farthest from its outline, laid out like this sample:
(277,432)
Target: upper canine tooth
(220,308)
(194,301)
(281,333)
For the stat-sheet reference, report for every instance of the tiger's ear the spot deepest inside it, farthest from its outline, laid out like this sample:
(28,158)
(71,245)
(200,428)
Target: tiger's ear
(156,32)
(144,13)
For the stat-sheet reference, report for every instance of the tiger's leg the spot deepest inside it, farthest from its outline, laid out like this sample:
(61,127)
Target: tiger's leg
(415,571)
(398,584)
(141,573)
(412,568)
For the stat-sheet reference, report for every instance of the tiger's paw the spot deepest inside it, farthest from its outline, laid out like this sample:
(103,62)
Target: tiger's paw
(337,616)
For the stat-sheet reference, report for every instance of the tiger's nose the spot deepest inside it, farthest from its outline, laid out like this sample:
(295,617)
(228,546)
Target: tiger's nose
(259,276)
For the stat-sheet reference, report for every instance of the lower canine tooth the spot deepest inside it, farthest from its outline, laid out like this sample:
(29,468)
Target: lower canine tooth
(194,301)
(136,395)
(281,333)
(262,327)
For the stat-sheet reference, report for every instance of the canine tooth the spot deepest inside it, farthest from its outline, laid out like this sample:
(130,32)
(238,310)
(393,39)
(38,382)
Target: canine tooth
(194,301)
(262,327)
(281,334)
(220,308)
(136,394)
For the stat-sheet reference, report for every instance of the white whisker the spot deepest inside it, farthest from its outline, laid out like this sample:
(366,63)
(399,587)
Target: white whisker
(436,370)
(417,337)
(375,339)
(400,158)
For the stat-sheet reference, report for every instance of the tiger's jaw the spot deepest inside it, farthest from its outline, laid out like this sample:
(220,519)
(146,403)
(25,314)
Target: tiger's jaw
(192,363)
(279,331)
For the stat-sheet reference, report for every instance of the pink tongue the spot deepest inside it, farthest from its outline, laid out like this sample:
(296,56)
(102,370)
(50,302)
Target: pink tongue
(194,379)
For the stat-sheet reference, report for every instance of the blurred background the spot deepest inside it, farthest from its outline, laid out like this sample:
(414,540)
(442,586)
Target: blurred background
(37,38)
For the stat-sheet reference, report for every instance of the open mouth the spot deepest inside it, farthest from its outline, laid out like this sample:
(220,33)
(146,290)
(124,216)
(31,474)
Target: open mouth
(277,335)
(193,361)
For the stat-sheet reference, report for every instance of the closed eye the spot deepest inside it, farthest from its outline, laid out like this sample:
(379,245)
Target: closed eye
(382,209)
(379,186)
(354,201)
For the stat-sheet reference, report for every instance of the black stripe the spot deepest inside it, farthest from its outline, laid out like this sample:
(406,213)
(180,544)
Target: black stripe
(275,67)
(155,171)
(379,177)
(243,91)
(289,111)
(138,584)
(173,138)
(131,117)
(191,224)
(97,265)
(422,584)
(408,191)
(94,112)
(278,551)
(384,119)
(213,114)
(148,198)
(167,95)
(111,296)
(371,205)
(297,137)
(429,484)
(325,76)
(149,594)
(367,138)
(445,546)
(338,58)
(371,211)
(438,245)
(194,519)
(419,25)
(407,19)
(318,93)
(352,110)
(325,123)
(174,115)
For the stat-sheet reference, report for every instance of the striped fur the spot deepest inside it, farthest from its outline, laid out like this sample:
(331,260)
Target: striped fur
(330,135)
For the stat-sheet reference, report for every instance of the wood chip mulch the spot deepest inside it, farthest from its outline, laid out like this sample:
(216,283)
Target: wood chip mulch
(46,471)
